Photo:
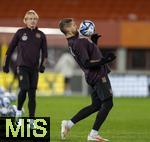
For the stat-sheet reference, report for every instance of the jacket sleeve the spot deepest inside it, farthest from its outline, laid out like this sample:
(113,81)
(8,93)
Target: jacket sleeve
(44,54)
(94,64)
(11,48)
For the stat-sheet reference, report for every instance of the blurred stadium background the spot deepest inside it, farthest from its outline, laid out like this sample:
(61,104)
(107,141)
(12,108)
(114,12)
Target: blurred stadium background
(125,30)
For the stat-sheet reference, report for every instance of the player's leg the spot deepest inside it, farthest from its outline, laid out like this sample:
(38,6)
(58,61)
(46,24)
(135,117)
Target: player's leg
(101,116)
(32,102)
(23,77)
(21,100)
(32,96)
(12,83)
(83,113)
(32,106)
(88,110)
(104,93)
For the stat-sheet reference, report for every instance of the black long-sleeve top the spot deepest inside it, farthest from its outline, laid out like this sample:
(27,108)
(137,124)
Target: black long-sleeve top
(29,43)
(84,51)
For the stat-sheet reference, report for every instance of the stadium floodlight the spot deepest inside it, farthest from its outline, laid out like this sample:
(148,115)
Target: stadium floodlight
(47,31)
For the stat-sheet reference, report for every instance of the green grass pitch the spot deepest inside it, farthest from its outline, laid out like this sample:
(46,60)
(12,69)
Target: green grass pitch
(129,120)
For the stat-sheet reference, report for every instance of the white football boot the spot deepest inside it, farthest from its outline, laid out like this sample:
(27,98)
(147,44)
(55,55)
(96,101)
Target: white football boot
(96,138)
(64,129)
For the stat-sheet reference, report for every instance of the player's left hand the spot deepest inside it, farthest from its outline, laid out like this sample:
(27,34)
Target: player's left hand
(95,37)
(41,69)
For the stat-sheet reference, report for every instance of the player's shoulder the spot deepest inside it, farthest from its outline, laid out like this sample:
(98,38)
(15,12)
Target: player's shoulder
(25,28)
(41,32)
(20,30)
(83,39)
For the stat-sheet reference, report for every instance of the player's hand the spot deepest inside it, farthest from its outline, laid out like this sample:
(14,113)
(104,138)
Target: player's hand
(110,57)
(6,69)
(95,37)
(41,69)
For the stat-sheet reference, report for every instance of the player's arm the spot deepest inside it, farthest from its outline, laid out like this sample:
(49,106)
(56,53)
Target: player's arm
(44,54)
(85,58)
(95,64)
(83,46)
(10,51)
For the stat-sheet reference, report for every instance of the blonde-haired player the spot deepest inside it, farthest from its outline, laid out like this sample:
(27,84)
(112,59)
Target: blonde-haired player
(29,42)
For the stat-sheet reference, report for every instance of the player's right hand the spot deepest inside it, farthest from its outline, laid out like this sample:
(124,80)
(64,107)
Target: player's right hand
(41,69)
(110,57)
(6,69)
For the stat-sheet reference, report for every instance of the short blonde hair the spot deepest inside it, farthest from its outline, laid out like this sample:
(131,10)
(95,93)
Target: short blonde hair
(28,13)
(64,23)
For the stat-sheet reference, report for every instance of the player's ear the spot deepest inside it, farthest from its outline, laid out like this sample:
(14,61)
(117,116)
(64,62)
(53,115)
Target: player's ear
(24,20)
(68,31)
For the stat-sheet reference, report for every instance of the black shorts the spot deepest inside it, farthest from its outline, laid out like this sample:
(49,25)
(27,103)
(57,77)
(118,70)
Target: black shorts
(102,90)
(28,78)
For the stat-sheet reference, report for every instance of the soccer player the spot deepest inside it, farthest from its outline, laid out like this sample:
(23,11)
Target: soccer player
(90,59)
(29,42)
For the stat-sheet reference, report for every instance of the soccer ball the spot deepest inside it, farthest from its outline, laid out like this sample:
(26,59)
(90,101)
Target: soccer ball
(6,102)
(87,28)
(3,112)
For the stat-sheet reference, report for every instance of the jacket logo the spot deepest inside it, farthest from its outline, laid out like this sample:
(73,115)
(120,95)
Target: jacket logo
(24,37)
(38,35)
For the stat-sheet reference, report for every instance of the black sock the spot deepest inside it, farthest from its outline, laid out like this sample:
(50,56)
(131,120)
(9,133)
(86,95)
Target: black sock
(102,114)
(31,102)
(85,112)
(21,99)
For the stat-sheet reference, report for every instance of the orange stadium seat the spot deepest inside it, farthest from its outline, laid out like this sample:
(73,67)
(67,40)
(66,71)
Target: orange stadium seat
(97,9)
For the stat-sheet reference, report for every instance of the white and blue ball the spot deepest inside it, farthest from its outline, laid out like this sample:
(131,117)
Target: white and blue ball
(87,28)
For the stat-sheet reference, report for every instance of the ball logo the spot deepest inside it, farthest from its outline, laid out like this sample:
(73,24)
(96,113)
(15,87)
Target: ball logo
(24,37)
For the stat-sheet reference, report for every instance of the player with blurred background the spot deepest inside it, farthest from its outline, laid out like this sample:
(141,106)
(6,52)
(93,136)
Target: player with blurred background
(29,42)
(90,59)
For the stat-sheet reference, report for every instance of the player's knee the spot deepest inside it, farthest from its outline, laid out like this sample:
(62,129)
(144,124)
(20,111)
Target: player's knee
(96,106)
(107,105)
(32,90)
(31,94)
(24,87)
(110,105)
(23,91)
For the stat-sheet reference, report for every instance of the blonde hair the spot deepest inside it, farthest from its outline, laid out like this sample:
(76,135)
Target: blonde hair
(28,13)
